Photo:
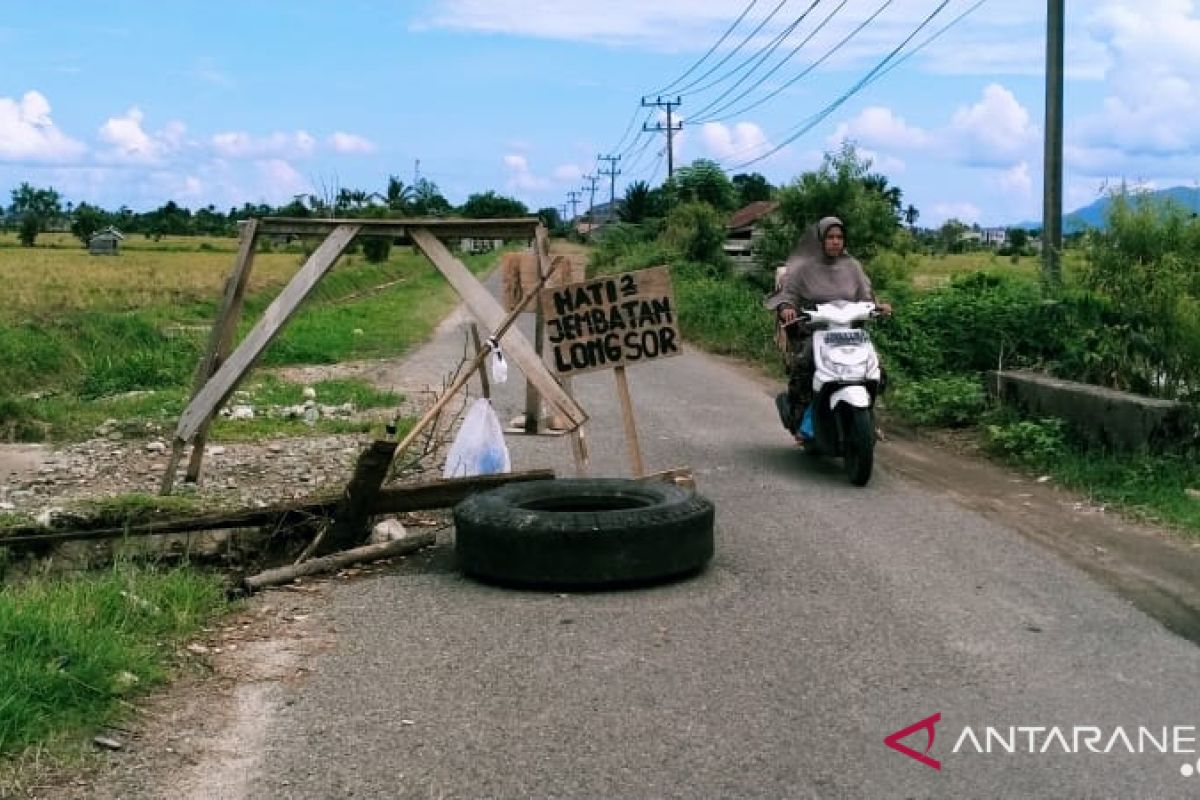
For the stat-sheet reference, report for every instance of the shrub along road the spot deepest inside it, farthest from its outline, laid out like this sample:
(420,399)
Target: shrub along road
(830,617)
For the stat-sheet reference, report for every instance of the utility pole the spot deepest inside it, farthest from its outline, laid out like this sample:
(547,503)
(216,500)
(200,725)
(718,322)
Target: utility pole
(591,189)
(1052,158)
(669,128)
(612,172)
(416,172)
(573,199)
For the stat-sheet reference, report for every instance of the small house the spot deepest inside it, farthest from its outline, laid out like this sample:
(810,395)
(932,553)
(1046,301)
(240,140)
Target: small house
(105,242)
(744,230)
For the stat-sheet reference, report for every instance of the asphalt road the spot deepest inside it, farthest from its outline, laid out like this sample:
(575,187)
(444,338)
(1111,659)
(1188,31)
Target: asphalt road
(830,617)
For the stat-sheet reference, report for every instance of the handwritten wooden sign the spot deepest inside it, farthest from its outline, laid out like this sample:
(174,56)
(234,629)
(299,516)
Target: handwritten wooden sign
(614,321)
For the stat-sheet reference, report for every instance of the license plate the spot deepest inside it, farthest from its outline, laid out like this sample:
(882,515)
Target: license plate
(844,338)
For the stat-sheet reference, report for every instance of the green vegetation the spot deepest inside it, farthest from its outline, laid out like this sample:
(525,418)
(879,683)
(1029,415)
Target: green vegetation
(76,650)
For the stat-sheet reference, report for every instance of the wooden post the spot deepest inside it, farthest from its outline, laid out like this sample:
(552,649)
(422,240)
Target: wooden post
(350,519)
(220,342)
(484,387)
(631,437)
(541,260)
(578,440)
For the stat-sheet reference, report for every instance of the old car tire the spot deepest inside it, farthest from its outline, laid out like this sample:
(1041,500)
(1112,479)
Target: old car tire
(583,533)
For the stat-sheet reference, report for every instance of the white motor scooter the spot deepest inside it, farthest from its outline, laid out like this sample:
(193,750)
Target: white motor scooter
(846,380)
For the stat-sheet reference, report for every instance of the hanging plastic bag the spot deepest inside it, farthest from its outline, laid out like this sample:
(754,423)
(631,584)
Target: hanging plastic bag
(497,364)
(479,447)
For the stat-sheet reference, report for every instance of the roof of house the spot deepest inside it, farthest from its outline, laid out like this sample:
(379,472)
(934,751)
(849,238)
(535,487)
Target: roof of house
(109,231)
(752,213)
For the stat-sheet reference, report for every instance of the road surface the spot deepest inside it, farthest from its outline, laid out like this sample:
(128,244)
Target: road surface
(830,617)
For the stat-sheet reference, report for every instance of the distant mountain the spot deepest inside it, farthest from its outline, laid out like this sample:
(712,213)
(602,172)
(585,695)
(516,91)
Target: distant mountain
(1094,215)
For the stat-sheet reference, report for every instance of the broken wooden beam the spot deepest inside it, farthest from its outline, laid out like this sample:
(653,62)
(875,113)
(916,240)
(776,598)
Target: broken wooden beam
(390,500)
(370,552)
(350,519)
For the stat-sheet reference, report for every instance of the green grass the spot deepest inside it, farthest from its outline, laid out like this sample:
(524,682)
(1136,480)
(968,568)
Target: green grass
(69,370)
(76,650)
(1150,487)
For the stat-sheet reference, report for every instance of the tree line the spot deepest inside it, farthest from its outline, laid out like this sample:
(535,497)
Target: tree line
(36,210)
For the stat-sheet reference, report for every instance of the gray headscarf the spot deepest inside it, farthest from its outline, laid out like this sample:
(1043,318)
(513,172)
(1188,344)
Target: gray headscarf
(813,277)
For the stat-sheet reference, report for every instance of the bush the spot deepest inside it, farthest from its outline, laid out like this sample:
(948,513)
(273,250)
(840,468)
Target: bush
(1033,443)
(952,401)
(975,324)
(1145,263)
(697,231)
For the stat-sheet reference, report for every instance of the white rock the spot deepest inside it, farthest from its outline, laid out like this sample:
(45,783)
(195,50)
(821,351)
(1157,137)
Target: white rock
(310,393)
(242,412)
(217,451)
(6,506)
(387,530)
(156,447)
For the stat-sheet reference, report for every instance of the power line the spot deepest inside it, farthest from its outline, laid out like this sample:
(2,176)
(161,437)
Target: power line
(820,27)
(711,50)
(762,55)
(734,51)
(828,53)
(821,115)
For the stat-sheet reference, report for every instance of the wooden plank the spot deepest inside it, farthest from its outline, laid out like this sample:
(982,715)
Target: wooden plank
(508,228)
(485,388)
(481,303)
(680,476)
(219,387)
(221,336)
(631,435)
(533,401)
(615,320)
(368,552)
(390,500)
(350,520)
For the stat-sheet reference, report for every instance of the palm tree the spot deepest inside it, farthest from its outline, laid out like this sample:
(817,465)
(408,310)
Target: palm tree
(911,215)
(636,205)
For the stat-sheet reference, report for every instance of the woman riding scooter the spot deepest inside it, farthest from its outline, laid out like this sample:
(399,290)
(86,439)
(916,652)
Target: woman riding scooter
(819,270)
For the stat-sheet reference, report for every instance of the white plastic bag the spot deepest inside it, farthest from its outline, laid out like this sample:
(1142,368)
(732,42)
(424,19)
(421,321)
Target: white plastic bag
(497,364)
(479,447)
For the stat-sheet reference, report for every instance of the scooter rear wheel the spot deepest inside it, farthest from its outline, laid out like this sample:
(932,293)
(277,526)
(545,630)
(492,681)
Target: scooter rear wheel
(860,444)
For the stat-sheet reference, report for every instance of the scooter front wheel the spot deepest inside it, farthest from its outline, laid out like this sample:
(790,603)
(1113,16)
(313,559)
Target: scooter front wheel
(860,444)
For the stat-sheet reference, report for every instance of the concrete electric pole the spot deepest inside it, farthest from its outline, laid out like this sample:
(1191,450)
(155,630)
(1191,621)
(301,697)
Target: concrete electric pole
(1052,158)
(669,128)
(612,172)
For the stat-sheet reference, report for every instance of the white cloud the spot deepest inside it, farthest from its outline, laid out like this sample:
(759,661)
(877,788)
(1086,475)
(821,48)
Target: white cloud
(1153,79)
(283,179)
(994,131)
(520,177)
(877,126)
(739,142)
(1016,179)
(238,144)
(350,143)
(129,143)
(27,132)
(962,211)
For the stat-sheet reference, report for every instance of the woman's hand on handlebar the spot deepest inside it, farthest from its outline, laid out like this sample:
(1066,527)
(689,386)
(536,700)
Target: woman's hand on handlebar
(787,315)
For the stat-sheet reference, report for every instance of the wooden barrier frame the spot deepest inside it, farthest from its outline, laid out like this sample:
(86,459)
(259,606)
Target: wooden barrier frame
(220,371)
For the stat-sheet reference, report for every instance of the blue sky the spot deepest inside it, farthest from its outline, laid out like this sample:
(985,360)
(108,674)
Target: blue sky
(137,103)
